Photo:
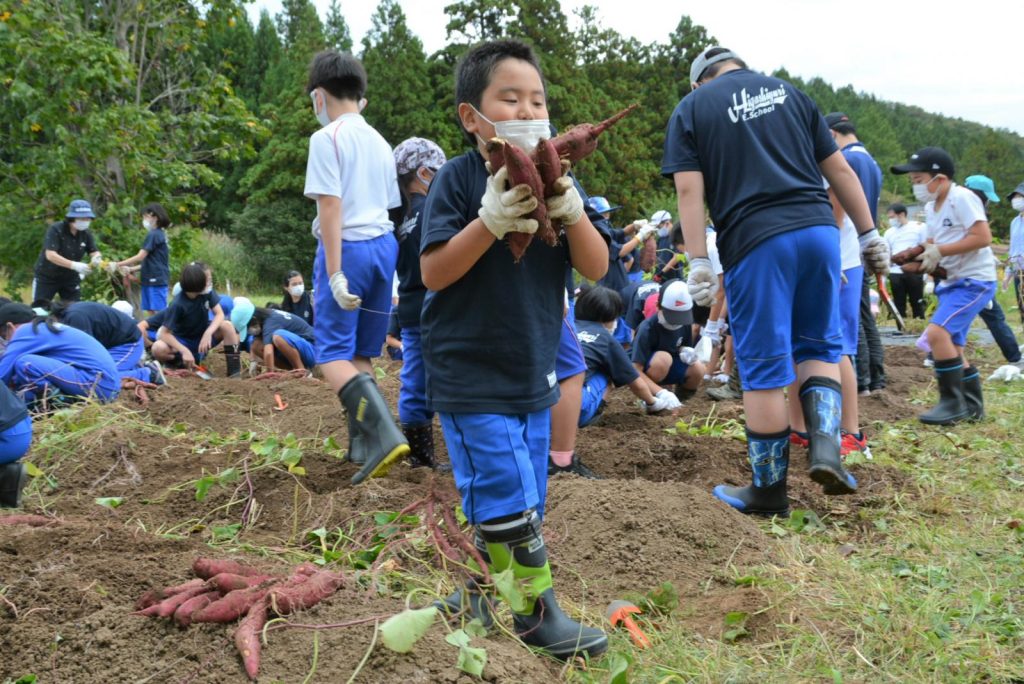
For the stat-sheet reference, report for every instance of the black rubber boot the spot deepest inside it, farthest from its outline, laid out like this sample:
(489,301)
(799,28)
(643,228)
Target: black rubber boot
(539,621)
(233,359)
(576,467)
(769,461)
(421,445)
(355,436)
(470,600)
(822,402)
(377,443)
(952,406)
(13,477)
(972,395)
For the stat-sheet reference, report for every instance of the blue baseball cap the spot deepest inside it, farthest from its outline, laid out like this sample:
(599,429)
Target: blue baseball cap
(79,208)
(601,205)
(983,184)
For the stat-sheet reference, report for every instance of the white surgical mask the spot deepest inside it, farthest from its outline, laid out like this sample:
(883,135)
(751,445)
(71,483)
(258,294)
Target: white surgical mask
(922,193)
(894,223)
(523,133)
(665,324)
(147,225)
(321,116)
(296,290)
(1017,203)
(82,225)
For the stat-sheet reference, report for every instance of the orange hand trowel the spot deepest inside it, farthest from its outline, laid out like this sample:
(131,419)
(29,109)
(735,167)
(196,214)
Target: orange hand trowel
(618,614)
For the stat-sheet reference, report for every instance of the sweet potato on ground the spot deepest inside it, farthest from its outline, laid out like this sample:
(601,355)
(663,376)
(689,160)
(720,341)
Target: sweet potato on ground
(288,598)
(247,638)
(231,607)
(208,567)
(227,582)
(183,615)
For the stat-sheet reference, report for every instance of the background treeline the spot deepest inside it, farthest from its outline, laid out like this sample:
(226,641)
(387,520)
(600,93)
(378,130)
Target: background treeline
(190,104)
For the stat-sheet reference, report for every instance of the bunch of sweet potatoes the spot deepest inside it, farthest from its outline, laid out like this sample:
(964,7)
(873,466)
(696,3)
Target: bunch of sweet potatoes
(907,260)
(541,169)
(225,591)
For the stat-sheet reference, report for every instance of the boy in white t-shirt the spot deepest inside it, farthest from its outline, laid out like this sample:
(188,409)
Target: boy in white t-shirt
(958,238)
(351,175)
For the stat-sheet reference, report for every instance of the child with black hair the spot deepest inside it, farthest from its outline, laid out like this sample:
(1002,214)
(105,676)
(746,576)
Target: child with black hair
(663,346)
(417,161)
(608,364)
(188,333)
(43,356)
(117,332)
(491,330)
(296,300)
(154,257)
(15,440)
(279,338)
(351,175)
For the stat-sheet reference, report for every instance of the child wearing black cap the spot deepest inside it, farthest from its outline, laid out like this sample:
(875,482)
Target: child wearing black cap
(958,239)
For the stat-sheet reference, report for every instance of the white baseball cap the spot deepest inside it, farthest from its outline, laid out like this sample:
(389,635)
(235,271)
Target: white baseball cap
(660,216)
(123,306)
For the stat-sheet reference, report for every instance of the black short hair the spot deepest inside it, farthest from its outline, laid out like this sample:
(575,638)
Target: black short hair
(845,128)
(4,300)
(292,274)
(473,72)
(898,208)
(675,234)
(717,67)
(17,313)
(339,73)
(193,277)
(599,304)
(162,219)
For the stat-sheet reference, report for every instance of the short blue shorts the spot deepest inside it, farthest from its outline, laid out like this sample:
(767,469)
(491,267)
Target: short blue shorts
(154,297)
(500,462)
(15,440)
(192,344)
(784,305)
(369,266)
(306,351)
(569,361)
(959,303)
(593,396)
(676,373)
(849,308)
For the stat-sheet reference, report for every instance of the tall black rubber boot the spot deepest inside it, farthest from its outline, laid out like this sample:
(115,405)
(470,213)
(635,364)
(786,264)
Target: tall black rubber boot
(769,461)
(972,395)
(421,445)
(379,443)
(233,360)
(516,543)
(822,402)
(470,600)
(13,477)
(952,406)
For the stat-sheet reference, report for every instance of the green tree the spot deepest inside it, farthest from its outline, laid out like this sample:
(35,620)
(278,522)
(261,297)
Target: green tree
(336,29)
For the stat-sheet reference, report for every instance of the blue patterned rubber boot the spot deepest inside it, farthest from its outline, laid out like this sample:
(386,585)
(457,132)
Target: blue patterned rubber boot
(769,461)
(822,402)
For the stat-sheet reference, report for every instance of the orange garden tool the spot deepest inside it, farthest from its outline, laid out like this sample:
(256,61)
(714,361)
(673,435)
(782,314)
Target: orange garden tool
(203,373)
(281,405)
(884,294)
(618,613)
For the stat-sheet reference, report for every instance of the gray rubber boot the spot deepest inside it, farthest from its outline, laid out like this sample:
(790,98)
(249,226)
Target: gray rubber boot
(381,443)
(973,396)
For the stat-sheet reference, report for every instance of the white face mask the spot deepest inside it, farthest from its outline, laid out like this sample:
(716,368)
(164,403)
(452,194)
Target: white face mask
(147,225)
(523,133)
(612,327)
(321,116)
(82,225)
(665,325)
(1017,203)
(296,290)
(922,193)
(894,223)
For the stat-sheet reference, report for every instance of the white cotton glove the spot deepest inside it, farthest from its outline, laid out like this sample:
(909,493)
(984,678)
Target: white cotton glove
(83,269)
(688,355)
(712,331)
(339,288)
(929,287)
(503,211)
(111,268)
(95,260)
(664,400)
(702,283)
(929,258)
(875,252)
(565,205)
(646,232)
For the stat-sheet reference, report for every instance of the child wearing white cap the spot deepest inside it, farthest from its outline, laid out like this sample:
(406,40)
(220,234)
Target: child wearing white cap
(662,348)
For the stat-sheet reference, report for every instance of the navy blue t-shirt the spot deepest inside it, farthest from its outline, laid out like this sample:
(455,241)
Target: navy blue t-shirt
(633,298)
(12,409)
(490,338)
(411,290)
(156,267)
(189,318)
(280,320)
(757,141)
(604,354)
(394,325)
(302,308)
(110,327)
(75,247)
(616,277)
(869,173)
(652,337)
(156,320)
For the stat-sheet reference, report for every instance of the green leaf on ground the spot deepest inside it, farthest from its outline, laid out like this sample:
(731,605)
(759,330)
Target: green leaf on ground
(471,660)
(110,501)
(400,632)
(509,589)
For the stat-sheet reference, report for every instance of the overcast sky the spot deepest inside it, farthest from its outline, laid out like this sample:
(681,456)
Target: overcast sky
(964,60)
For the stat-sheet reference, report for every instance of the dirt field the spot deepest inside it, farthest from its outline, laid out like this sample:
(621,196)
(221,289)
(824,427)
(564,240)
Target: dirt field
(68,589)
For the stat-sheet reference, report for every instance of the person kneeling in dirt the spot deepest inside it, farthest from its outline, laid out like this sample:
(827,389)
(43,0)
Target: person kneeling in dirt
(279,338)
(44,357)
(662,348)
(15,440)
(608,364)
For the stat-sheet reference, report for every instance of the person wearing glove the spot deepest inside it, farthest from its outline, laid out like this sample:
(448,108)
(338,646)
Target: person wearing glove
(660,341)
(958,239)
(490,330)
(154,257)
(351,174)
(68,248)
(776,237)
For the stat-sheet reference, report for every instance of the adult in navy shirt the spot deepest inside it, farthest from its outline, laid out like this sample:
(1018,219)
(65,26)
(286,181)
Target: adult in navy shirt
(66,248)
(870,355)
(755,148)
